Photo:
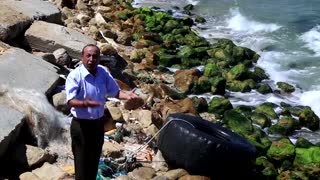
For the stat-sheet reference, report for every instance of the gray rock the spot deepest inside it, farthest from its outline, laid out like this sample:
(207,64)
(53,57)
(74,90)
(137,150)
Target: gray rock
(20,69)
(159,163)
(11,22)
(10,124)
(142,173)
(62,57)
(23,70)
(55,172)
(36,9)
(30,156)
(16,16)
(48,37)
(28,176)
(59,102)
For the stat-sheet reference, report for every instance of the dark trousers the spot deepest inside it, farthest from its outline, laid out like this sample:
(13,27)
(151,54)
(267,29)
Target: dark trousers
(87,139)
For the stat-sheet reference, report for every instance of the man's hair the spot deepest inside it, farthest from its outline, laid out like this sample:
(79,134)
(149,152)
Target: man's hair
(89,45)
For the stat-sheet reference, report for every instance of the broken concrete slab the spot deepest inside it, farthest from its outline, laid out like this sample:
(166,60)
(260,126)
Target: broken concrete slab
(16,16)
(48,37)
(23,70)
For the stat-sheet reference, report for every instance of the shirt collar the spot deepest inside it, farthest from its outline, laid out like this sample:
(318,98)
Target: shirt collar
(84,70)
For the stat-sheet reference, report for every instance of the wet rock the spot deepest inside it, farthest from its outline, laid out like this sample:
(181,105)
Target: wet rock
(309,119)
(218,105)
(285,87)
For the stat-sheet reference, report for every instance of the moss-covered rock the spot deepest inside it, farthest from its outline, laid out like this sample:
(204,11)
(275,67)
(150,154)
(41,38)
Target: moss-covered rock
(296,110)
(260,119)
(238,72)
(244,109)
(260,140)
(188,7)
(137,56)
(218,105)
(199,19)
(166,59)
(200,104)
(285,87)
(264,89)
(259,74)
(239,86)
(292,175)
(308,160)
(186,21)
(220,54)
(211,70)
(285,126)
(309,119)
(170,25)
(267,110)
(268,169)
(193,40)
(303,143)
(202,85)
(237,122)
(281,150)
(218,85)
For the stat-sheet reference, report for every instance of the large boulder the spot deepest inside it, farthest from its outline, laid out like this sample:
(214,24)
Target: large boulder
(16,16)
(23,70)
(48,37)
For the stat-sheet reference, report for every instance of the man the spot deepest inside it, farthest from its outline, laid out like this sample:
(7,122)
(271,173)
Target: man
(86,88)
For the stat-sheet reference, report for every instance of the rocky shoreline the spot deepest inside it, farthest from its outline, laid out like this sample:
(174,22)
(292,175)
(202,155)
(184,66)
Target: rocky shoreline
(138,46)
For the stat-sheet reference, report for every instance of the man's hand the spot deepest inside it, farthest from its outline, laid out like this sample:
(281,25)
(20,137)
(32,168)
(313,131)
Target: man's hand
(84,103)
(91,103)
(127,95)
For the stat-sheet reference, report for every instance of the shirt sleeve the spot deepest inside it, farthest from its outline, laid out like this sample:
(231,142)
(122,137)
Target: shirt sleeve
(72,86)
(112,86)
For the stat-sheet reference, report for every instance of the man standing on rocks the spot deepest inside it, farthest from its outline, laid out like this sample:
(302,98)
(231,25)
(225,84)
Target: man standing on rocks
(86,88)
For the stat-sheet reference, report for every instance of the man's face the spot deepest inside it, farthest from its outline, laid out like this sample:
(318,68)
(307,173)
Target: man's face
(91,58)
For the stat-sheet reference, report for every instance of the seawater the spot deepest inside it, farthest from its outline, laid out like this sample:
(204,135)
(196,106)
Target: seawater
(285,33)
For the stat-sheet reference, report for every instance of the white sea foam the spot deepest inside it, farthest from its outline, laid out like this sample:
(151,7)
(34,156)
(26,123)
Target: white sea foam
(312,39)
(312,99)
(238,22)
(270,61)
